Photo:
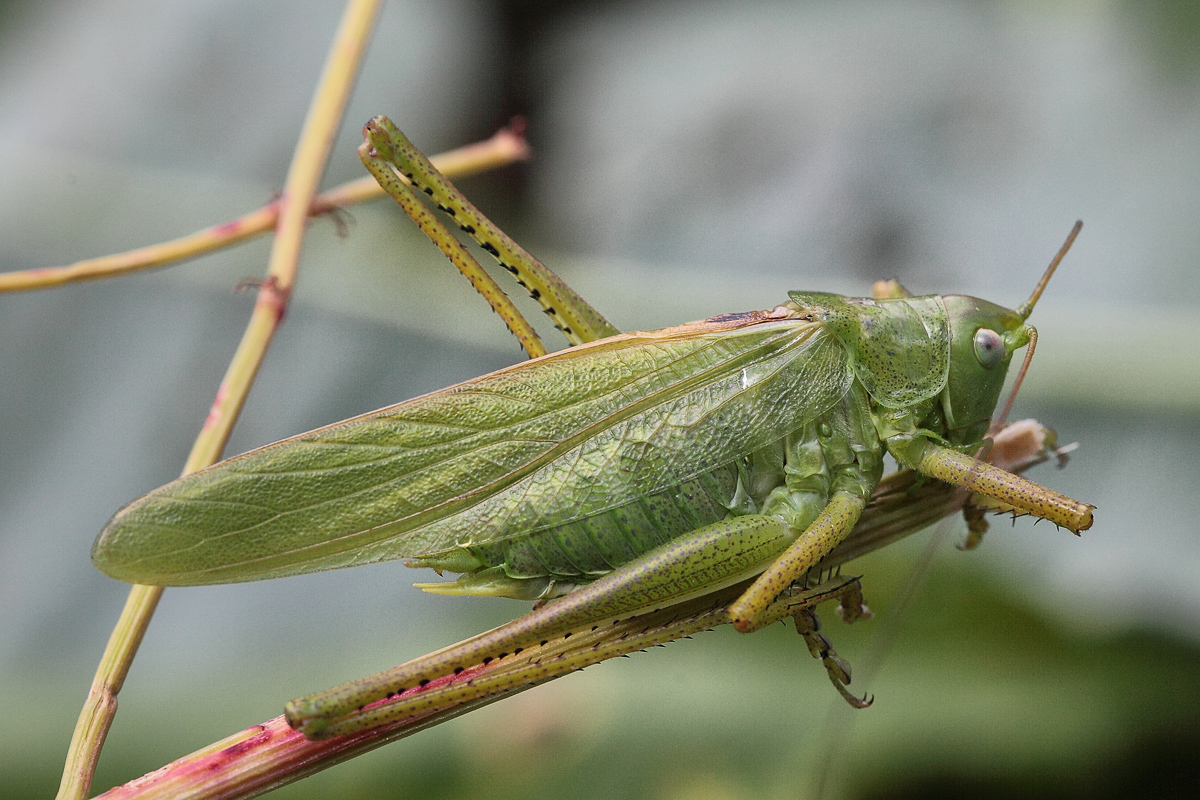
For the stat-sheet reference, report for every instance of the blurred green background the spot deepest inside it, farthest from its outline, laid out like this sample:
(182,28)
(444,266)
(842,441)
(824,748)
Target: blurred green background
(691,159)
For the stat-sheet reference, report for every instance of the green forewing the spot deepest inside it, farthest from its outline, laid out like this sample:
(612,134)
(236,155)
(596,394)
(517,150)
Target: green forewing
(560,438)
(899,347)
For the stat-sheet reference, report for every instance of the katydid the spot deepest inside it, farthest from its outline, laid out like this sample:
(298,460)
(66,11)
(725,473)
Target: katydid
(628,473)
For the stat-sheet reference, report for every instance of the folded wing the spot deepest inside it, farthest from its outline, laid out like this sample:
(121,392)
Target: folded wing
(559,438)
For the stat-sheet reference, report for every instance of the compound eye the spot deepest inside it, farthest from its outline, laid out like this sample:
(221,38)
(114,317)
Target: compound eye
(989,348)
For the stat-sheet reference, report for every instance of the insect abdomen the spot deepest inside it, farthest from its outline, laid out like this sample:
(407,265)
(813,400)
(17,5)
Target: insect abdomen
(581,550)
(792,479)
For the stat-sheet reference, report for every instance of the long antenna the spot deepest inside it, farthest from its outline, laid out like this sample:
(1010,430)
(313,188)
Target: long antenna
(1027,306)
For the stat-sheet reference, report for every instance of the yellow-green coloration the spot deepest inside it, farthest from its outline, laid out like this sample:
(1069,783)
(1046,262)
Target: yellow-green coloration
(629,473)
(385,145)
(897,347)
(553,656)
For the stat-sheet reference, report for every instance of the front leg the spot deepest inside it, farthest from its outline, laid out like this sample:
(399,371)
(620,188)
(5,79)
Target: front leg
(830,476)
(808,625)
(830,527)
(974,475)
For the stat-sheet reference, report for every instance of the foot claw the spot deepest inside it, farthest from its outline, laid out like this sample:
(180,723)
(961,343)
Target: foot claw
(808,625)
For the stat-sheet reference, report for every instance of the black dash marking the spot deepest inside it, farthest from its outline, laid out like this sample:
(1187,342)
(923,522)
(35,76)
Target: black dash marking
(518,650)
(502,655)
(567,635)
(737,316)
(389,695)
(458,670)
(487,660)
(469,229)
(535,294)
(545,642)
(424,682)
(491,248)
(427,190)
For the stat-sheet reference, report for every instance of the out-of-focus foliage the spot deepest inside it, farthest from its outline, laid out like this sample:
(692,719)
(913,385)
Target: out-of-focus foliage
(692,158)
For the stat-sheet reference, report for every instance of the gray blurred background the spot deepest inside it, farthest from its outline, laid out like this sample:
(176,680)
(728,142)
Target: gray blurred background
(690,159)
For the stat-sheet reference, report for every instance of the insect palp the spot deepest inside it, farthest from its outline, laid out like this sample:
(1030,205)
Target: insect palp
(998,422)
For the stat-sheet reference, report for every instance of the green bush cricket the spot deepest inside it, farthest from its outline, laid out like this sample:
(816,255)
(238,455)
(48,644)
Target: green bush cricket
(629,473)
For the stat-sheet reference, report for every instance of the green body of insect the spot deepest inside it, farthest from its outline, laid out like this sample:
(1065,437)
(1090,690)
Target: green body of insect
(627,473)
